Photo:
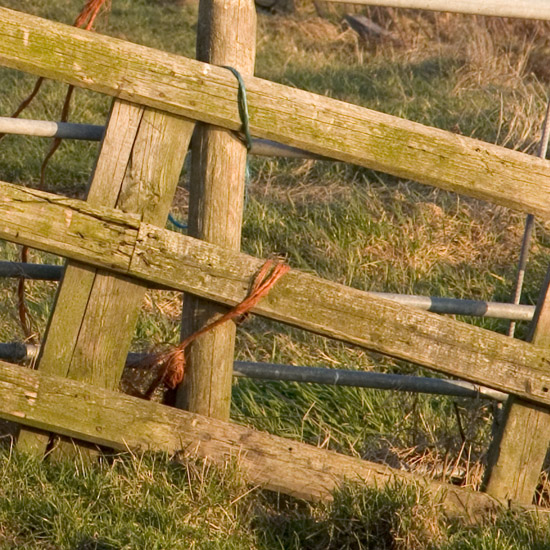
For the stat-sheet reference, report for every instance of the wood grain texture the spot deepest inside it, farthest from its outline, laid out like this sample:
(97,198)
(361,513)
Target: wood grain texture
(226,35)
(524,9)
(517,453)
(66,321)
(293,117)
(104,417)
(76,230)
(347,314)
(92,324)
(209,271)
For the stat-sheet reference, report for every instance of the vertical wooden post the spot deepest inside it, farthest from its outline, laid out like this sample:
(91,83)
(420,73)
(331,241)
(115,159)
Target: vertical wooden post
(226,36)
(518,451)
(92,324)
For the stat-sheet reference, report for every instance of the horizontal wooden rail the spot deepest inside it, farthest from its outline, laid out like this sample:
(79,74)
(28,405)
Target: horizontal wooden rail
(108,238)
(116,420)
(522,9)
(73,229)
(280,113)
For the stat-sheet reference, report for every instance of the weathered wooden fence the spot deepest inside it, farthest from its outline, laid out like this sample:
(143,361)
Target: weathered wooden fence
(115,244)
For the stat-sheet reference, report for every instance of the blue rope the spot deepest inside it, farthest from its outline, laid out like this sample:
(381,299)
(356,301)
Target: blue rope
(245,119)
(175,222)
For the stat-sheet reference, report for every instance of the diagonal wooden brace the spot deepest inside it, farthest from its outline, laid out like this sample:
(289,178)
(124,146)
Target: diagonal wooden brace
(93,320)
(122,422)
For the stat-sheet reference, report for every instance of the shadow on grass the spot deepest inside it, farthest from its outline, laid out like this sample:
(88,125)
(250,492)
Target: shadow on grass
(95,544)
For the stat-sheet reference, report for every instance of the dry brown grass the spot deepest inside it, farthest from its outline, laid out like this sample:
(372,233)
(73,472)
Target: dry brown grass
(477,235)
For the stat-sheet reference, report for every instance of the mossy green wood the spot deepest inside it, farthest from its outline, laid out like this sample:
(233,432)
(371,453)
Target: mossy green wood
(218,274)
(226,35)
(347,314)
(100,416)
(318,124)
(65,322)
(92,323)
(76,230)
(518,451)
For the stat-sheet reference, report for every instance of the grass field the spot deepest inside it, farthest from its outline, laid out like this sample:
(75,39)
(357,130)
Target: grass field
(485,78)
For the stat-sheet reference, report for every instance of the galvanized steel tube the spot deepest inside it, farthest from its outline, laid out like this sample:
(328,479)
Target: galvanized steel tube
(44,272)
(19,352)
(362,379)
(523,9)
(448,306)
(90,132)
(46,128)
(456,306)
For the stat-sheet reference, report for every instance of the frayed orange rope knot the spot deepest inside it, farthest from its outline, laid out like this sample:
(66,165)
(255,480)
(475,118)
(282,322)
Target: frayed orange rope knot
(90,12)
(170,363)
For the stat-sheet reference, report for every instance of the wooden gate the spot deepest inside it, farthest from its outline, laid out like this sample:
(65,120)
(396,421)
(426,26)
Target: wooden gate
(115,245)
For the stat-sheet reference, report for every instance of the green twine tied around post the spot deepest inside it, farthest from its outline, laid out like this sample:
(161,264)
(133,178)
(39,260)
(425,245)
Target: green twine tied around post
(245,119)
(243,107)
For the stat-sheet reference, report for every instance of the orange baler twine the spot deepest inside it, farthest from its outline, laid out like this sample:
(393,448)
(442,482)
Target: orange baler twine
(171,363)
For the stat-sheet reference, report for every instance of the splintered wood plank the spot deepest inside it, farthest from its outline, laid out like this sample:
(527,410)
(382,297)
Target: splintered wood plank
(518,451)
(65,322)
(226,35)
(115,420)
(293,117)
(95,312)
(299,299)
(77,284)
